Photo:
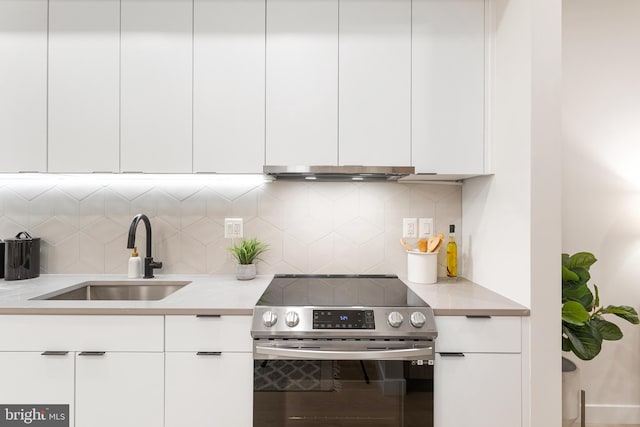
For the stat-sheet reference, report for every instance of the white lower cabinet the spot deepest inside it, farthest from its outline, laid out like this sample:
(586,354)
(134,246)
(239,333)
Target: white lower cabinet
(208,389)
(209,371)
(477,379)
(33,378)
(119,389)
(477,389)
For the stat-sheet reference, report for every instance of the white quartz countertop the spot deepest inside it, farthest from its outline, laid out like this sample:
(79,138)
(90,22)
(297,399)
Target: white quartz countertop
(465,298)
(224,295)
(206,294)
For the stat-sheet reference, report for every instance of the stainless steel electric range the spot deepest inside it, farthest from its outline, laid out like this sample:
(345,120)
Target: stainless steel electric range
(342,350)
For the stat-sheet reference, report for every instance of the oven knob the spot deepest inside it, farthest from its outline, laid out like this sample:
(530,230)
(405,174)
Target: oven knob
(291,319)
(269,318)
(418,319)
(395,319)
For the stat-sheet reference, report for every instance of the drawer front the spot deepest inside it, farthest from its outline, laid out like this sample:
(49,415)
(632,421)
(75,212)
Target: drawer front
(81,333)
(495,334)
(208,333)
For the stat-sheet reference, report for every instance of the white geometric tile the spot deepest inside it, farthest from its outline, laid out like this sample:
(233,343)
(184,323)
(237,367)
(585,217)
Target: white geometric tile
(271,209)
(91,253)
(194,207)
(182,190)
(9,228)
(91,209)
(284,191)
(218,259)
(371,253)
(30,189)
(371,209)
(117,208)
(169,209)
(232,190)
(204,231)
(245,206)
(104,230)
(321,253)
(193,255)
(160,230)
(268,234)
(80,190)
(131,190)
(346,208)
(295,253)
(359,231)
(116,255)
(54,230)
(217,207)
(65,207)
(64,255)
(308,230)
(147,203)
(333,190)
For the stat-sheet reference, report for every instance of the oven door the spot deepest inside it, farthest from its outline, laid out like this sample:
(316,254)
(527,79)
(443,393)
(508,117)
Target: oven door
(342,383)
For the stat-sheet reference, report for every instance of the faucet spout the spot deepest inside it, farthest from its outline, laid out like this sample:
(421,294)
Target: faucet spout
(149,263)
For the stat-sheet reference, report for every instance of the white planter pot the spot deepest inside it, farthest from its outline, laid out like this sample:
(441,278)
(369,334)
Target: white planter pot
(245,271)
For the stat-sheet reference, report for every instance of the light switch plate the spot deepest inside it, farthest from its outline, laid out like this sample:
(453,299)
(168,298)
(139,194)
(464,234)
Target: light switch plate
(233,228)
(425,228)
(409,228)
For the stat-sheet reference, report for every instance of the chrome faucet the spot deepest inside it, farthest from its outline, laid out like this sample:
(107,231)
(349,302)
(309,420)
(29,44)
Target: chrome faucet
(149,263)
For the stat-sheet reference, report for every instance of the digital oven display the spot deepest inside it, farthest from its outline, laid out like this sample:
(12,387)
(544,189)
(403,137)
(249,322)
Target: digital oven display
(343,319)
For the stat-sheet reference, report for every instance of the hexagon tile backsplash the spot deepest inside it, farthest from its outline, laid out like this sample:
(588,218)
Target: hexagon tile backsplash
(310,227)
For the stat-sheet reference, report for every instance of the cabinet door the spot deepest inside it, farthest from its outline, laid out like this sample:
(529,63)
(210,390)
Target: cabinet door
(31,378)
(156,87)
(228,86)
(207,390)
(302,82)
(375,82)
(23,85)
(448,86)
(119,389)
(487,387)
(84,51)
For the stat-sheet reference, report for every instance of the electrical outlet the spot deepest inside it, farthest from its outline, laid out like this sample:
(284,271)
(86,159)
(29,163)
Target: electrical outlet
(233,228)
(409,228)
(425,228)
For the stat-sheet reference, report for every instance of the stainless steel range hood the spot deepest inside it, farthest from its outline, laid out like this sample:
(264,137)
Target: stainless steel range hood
(338,173)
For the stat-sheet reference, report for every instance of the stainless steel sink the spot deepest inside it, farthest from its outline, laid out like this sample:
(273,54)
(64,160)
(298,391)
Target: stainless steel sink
(116,291)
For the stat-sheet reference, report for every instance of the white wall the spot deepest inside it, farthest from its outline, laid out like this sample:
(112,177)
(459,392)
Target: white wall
(511,221)
(601,183)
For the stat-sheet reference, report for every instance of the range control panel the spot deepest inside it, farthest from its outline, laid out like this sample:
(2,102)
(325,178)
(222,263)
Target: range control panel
(343,319)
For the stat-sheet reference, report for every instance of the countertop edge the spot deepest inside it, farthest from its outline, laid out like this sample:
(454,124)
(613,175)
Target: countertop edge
(126,311)
(482,312)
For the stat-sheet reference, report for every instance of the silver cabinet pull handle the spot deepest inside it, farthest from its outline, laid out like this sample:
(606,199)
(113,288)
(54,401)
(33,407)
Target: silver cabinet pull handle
(54,353)
(452,354)
(405,353)
(91,353)
(209,353)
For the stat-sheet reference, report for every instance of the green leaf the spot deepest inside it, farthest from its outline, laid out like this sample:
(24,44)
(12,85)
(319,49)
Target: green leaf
(582,342)
(597,301)
(566,345)
(608,331)
(624,312)
(573,312)
(568,275)
(565,260)
(581,259)
(578,292)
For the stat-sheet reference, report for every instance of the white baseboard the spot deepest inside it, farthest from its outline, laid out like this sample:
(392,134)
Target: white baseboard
(612,414)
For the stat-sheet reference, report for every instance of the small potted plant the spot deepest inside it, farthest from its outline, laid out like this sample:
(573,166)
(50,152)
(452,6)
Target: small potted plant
(246,254)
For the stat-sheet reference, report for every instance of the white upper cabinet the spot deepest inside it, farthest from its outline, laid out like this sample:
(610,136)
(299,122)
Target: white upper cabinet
(156,86)
(23,85)
(84,61)
(229,86)
(302,82)
(375,82)
(448,86)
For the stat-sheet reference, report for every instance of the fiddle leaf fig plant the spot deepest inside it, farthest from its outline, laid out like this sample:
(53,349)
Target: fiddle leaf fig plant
(583,324)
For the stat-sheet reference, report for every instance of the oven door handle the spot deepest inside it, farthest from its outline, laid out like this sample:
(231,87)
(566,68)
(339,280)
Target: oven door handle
(296,353)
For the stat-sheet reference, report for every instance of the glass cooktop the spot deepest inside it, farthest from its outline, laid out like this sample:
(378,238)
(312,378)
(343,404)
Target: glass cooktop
(339,290)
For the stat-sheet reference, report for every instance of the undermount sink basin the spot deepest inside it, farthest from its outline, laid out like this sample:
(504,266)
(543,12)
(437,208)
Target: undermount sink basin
(115,291)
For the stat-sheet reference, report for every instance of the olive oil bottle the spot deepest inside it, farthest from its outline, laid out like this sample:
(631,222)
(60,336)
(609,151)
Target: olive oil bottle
(452,253)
